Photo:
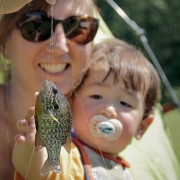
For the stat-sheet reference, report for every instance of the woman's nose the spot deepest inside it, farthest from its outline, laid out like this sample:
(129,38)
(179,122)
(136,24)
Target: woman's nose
(58,41)
(109,111)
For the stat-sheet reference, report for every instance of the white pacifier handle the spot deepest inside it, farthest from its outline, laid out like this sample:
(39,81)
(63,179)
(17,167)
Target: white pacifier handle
(109,129)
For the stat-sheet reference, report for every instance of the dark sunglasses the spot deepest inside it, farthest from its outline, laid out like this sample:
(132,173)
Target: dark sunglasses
(35,26)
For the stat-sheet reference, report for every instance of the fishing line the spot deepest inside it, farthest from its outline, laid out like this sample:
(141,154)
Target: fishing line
(30,163)
(52,39)
(51,45)
(80,102)
(99,148)
(31,157)
(51,57)
(51,53)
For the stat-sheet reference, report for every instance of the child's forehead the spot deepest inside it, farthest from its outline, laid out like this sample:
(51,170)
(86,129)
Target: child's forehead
(96,74)
(100,78)
(99,66)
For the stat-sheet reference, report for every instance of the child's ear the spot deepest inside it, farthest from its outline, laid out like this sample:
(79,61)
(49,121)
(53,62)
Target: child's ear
(144,126)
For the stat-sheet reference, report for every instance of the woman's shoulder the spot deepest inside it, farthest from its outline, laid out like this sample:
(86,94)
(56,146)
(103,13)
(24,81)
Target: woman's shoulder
(2,95)
(2,90)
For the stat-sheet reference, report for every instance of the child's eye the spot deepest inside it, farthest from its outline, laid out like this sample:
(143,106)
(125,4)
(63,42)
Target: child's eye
(96,96)
(125,104)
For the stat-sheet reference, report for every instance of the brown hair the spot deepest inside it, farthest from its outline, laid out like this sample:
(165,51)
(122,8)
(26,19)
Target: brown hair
(7,25)
(131,67)
(8,21)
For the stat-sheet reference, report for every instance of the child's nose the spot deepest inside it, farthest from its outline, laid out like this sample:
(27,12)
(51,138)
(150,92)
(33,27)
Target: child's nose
(58,40)
(109,111)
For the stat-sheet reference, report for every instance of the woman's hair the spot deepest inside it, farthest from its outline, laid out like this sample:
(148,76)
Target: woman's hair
(7,25)
(131,67)
(8,21)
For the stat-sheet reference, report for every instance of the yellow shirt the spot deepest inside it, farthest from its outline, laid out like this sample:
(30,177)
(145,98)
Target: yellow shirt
(71,166)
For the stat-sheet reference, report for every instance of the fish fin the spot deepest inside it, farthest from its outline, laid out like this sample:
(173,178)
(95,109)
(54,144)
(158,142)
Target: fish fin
(67,145)
(53,118)
(50,166)
(36,121)
(38,144)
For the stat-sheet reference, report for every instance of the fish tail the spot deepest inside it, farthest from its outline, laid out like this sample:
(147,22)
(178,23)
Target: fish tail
(53,166)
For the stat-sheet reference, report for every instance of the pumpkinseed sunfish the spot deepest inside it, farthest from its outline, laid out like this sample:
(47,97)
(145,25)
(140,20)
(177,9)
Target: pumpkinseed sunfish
(53,119)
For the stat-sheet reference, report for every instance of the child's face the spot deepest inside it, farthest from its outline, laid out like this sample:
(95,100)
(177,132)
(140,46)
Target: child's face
(109,100)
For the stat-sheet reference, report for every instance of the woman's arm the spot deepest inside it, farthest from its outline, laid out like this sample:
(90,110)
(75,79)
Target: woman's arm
(27,161)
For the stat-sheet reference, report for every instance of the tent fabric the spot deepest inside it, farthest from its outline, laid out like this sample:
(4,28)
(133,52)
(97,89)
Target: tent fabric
(172,122)
(103,32)
(153,156)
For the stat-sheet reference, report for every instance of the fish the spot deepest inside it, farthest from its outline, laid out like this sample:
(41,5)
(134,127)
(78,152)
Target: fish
(53,120)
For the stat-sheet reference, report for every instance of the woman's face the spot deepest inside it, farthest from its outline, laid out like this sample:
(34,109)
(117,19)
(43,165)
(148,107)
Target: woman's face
(32,63)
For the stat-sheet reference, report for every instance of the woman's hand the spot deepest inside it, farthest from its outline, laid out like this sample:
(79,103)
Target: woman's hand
(25,159)
(27,127)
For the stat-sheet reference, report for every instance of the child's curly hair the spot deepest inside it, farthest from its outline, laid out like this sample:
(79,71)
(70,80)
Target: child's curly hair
(131,67)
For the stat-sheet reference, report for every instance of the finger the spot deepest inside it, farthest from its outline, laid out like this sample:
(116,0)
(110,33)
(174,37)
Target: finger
(35,97)
(20,139)
(22,125)
(30,114)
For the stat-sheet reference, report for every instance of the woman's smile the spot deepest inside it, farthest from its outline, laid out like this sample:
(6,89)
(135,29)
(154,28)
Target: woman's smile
(53,68)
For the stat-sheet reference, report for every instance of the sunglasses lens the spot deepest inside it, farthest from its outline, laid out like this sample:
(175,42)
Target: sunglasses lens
(44,31)
(28,31)
(35,31)
(79,29)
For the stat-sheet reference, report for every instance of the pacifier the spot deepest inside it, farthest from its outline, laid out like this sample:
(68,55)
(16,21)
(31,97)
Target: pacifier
(51,1)
(109,129)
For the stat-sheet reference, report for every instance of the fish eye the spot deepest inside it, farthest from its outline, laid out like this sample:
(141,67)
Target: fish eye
(56,106)
(55,91)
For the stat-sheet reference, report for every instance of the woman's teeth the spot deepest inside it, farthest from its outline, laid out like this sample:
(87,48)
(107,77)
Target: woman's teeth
(53,68)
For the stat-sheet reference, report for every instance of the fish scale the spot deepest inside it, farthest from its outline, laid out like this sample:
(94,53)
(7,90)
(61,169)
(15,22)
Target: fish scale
(53,119)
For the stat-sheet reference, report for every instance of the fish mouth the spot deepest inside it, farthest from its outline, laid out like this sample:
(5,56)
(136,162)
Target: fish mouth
(53,68)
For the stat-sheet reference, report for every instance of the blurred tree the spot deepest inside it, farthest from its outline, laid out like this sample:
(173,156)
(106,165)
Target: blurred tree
(160,19)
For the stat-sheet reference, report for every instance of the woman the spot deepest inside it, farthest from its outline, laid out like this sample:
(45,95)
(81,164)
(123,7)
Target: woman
(34,56)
